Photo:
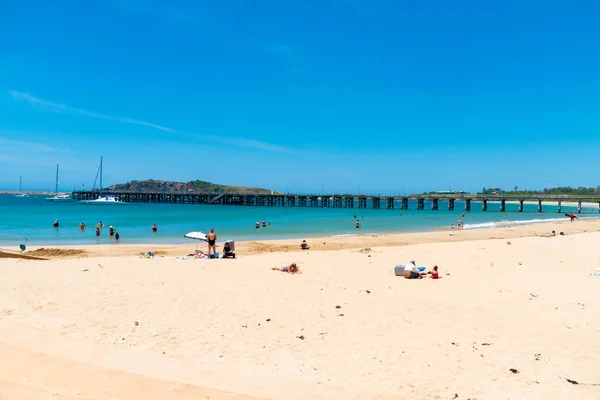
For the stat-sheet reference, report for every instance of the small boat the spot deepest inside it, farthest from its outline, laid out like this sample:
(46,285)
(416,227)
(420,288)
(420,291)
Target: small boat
(21,194)
(102,200)
(59,198)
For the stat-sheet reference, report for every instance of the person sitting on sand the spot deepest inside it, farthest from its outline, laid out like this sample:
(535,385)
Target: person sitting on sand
(435,273)
(304,245)
(291,269)
(411,271)
(553,233)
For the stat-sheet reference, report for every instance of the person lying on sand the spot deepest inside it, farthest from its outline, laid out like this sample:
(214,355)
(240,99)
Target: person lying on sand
(291,269)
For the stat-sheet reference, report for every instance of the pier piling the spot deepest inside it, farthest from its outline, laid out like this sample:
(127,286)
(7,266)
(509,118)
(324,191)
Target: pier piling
(484,205)
(390,203)
(375,202)
(362,201)
(404,204)
(539,205)
(349,202)
(337,201)
(313,201)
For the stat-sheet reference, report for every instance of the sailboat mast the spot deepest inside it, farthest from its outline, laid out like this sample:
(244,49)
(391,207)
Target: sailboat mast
(56,185)
(20,182)
(101,175)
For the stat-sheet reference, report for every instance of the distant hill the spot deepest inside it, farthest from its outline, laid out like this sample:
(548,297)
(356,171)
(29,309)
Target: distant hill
(153,186)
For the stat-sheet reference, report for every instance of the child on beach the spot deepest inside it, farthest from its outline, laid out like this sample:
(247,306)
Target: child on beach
(435,273)
(291,269)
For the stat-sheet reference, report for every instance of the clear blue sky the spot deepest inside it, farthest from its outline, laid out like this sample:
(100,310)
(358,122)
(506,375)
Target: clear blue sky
(420,95)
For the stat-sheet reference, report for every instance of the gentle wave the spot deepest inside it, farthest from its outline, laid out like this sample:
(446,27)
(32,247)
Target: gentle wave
(499,224)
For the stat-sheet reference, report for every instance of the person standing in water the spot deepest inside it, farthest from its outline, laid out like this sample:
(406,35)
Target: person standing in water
(82,226)
(55,224)
(212,240)
(154,228)
(357,224)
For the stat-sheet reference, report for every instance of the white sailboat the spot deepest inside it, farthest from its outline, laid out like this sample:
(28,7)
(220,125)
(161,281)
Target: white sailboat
(21,194)
(102,199)
(59,198)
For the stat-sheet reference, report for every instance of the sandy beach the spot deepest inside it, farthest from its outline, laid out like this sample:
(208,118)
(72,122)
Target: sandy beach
(515,316)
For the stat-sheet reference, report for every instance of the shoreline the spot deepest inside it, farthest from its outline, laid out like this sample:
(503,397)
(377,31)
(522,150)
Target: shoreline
(321,243)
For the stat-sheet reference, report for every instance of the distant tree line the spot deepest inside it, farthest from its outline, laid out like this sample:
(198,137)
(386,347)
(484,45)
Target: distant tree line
(561,190)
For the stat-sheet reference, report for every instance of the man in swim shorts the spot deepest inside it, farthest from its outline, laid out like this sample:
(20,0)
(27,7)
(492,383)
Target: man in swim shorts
(212,240)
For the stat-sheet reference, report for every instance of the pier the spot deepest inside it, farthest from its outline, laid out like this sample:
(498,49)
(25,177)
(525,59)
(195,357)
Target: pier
(423,202)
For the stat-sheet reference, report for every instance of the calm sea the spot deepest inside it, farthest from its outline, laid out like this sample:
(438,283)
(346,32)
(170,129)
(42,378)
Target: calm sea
(33,217)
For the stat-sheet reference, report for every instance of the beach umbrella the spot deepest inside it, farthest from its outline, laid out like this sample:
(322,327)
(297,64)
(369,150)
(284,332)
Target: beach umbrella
(196,235)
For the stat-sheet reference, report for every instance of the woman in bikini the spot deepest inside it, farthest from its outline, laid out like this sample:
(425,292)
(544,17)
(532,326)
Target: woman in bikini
(212,239)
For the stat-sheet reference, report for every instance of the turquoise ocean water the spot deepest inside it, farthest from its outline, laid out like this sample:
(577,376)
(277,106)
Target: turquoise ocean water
(33,217)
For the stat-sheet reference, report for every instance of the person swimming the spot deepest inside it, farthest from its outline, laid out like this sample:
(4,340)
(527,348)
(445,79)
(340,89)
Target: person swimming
(55,224)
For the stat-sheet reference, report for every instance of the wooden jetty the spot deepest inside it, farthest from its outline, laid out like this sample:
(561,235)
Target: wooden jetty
(433,202)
